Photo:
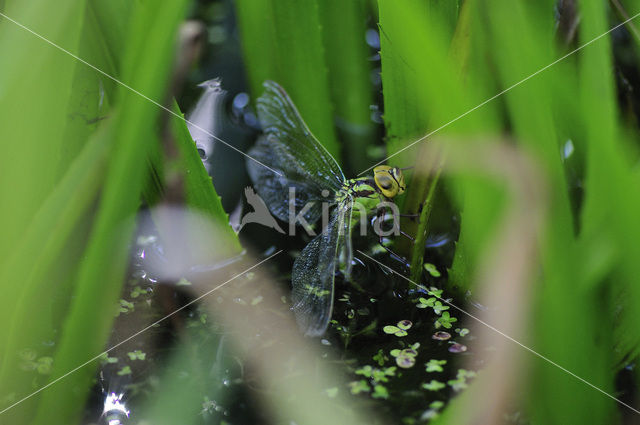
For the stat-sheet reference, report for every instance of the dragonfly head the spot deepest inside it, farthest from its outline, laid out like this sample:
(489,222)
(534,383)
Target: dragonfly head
(389,180)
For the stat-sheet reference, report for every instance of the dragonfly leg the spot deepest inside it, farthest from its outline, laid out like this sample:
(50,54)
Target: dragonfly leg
(380,216)
(395,256)
(409,215)
(408,236)
(405,234)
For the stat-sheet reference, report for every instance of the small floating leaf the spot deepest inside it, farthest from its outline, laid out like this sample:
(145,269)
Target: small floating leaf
(124,307)
(439,307)
(445,320)
(464,373)
(457,384)
(389,329)
(457,348)
(104,358)
(441,336)
(432,270)
(405,362)
(435,365)
(433,385)
(137,355)
(437,404)
(405,324)
(394,330)
(409,352)
(460,382)
(380,391)
(136,292)
(425,303)
(365,371)
(435,292)
(358,387)
(462,332)
(380,358)
(381,375)
(124,371)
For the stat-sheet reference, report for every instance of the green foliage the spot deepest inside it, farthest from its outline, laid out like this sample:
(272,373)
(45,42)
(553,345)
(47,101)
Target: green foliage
(577,258)
(73,173)
(100,275)
(437,98)
(347,59)
(376,377)
(282,41)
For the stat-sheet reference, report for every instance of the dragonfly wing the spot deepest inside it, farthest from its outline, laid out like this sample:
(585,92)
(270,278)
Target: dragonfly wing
(280,118)
(275,189)
(314,271)
(293,151)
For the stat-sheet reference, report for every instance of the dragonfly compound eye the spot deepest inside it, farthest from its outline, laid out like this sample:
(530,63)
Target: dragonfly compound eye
(399,178)
(389,180)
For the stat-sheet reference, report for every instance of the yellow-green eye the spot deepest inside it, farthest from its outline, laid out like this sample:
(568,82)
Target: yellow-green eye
(389,180)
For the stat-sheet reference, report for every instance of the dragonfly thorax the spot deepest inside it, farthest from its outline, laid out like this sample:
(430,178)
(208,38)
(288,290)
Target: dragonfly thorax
(362,191)
(363,187)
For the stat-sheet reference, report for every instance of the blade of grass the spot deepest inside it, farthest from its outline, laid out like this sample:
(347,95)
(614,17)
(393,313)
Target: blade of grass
(90,93)
(417,251)
(282,41)
(343,31)
(146,66)
(436,98)
(612,189)
(624,13)
(199,190)
(36,82)
(407,117)
(111,21)
(38,257)
(255,24)
(562,293)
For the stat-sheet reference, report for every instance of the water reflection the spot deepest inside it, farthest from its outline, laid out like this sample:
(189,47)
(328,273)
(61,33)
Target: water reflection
(115,411)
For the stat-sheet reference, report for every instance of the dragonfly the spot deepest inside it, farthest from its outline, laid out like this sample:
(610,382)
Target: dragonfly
(304,165)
